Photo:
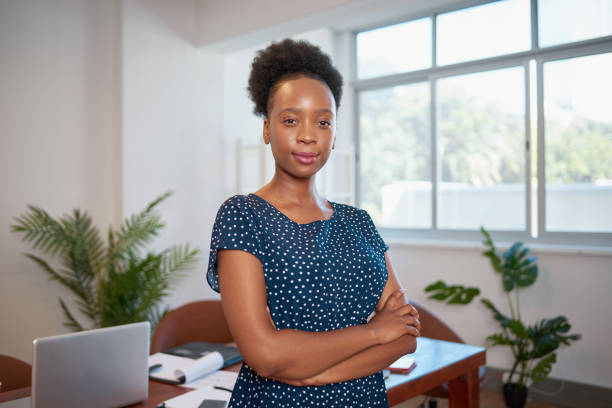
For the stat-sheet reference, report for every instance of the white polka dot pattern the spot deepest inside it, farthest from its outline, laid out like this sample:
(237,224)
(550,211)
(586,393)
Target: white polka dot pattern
(320,276)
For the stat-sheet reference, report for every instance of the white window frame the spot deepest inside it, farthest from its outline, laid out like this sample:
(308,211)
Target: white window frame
(540,55)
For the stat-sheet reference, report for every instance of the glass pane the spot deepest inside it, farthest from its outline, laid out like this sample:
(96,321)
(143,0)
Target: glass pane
(578,144)
(483,31)
(395,175)
(481,139)
(393,49)
(563,21)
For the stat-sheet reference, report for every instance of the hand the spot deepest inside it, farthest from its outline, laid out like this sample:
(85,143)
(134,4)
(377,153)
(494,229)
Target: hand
(396,300)
(395,319)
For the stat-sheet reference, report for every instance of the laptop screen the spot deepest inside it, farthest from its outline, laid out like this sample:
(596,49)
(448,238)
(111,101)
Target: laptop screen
(95,368)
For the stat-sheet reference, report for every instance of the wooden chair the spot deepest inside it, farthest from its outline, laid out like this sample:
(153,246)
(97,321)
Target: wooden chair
(16,378)
(197,321)
(433,327)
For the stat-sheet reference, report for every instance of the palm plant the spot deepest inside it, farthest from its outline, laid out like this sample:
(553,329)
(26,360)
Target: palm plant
(533,346)
(115,283)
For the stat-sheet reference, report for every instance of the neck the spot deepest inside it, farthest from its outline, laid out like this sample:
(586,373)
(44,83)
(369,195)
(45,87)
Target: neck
(289,189)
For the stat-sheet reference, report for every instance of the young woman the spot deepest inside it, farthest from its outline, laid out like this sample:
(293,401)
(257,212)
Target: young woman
(299,276)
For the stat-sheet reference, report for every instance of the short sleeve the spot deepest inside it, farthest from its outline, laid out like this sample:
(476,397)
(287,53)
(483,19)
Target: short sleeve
(372,234)
(234,228)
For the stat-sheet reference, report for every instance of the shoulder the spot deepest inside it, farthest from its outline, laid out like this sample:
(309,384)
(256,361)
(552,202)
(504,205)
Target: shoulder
(351,213)
(237,204)
(238,208)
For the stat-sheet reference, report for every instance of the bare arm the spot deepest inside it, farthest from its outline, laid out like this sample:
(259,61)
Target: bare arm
(374,358)
(291,354)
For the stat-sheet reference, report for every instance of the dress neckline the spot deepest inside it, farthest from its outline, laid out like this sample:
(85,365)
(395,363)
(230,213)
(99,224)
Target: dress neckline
(332,204)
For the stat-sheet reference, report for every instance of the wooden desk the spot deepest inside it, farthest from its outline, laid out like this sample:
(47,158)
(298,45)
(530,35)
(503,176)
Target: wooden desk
(438,362)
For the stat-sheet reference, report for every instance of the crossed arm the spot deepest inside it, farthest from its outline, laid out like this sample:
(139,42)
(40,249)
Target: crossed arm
(311,358)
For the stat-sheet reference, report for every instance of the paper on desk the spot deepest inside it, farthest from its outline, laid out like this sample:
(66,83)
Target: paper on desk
(226,379)
(174,367)
(194,398)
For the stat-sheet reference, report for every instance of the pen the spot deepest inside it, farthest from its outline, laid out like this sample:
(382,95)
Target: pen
(218,387)
(154,367)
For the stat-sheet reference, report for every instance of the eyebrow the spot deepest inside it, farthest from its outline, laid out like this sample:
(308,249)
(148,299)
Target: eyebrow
(324,110)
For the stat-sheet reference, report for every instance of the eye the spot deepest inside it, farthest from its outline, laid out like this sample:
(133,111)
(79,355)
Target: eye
(289,121)
(324,123)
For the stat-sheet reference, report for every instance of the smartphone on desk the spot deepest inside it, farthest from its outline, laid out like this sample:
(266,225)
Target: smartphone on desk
(403,365)
(209,403)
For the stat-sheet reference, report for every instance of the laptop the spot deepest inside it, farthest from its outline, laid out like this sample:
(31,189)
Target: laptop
(95,368)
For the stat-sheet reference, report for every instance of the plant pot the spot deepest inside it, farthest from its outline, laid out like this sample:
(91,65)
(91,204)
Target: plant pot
(515,395)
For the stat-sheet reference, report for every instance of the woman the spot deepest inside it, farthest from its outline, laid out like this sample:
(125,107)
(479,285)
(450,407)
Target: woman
(298,275)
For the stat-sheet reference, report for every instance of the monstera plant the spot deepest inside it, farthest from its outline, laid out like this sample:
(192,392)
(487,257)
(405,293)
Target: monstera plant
(116,282)
(533,346)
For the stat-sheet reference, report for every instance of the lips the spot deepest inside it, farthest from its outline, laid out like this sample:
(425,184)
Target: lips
(305,157)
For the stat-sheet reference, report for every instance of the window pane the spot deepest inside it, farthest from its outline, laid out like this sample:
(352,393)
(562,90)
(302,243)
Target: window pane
(483,31)
(578,144)
(395,176)
(481,139)
(394,49)
(563,21)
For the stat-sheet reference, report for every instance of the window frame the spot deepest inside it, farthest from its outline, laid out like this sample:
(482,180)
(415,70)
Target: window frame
(540,55)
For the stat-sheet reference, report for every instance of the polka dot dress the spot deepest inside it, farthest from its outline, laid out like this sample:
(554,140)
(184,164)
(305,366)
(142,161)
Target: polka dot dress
(320,276)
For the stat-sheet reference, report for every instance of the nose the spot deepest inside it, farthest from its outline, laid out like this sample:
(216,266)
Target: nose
(306,134)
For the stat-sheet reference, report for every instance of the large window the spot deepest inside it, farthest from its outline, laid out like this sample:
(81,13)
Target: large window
(497,115)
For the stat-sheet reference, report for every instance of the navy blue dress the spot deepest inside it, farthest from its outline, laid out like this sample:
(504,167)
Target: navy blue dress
(320,276)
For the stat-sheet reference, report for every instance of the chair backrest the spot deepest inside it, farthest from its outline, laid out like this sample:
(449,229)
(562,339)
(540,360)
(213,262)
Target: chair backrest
(197,321)
(14,373)
(433,327)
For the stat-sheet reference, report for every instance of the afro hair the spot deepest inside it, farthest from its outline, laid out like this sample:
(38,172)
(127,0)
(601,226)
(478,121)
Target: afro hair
(287,59)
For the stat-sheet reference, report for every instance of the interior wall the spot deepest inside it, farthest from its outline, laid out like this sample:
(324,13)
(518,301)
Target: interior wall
(58,98)
(172,127)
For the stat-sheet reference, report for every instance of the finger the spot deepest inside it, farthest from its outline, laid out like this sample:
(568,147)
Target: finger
(413,331)
(412,321)
(405,310)
(414,312)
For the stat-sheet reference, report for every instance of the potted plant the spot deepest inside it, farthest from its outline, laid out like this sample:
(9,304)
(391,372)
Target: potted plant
(533,346)
(114,283)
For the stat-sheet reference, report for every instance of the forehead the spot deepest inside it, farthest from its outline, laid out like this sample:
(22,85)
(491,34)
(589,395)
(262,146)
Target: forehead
(302,92)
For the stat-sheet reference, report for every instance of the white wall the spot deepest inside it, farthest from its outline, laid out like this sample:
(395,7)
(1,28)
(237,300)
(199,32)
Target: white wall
(172,124)
(58,145)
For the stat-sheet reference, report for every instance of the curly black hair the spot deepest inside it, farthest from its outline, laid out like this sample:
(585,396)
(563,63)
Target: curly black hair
(286,59)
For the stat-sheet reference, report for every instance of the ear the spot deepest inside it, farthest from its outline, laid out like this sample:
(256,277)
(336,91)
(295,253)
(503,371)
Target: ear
(266,131)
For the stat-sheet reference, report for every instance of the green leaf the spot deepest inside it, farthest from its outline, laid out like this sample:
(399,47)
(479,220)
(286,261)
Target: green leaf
(543,368)
(497,315)
(71,322)
(549,334)
(456,294)
(435,286)
(518,269)
(491,253)
(500,339)
(464,296)
(518,329)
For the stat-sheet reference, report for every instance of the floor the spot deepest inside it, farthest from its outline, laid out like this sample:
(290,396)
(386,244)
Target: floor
(487,400)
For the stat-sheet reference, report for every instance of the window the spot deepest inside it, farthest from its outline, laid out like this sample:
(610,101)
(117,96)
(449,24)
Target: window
(496,115)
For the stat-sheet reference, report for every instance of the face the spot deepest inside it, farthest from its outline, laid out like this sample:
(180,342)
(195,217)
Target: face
(301,126)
